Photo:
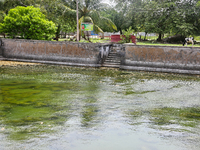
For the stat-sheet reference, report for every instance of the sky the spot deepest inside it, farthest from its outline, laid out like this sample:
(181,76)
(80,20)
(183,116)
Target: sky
(110,2)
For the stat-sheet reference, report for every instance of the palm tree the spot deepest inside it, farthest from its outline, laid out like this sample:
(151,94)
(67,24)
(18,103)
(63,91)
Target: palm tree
(89,13)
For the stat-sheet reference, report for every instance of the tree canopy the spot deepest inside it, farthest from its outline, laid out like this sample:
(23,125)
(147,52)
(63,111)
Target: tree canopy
(54,10)
(160,16)
(174,17)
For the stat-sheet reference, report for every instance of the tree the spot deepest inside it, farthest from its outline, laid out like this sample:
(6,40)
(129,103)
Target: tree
(175,16)
(61,14)
(125,14)
(107,12)
(187,20)
(160,16)
(89,12)
(54,10)
(28,23)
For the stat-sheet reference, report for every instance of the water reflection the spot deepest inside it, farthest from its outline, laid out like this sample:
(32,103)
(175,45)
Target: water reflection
(58,107)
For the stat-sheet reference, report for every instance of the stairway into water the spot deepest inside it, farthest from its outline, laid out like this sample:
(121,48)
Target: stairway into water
(113,60)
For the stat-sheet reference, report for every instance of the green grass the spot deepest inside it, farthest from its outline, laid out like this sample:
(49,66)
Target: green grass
(149,42)
(155,43)
(93,40)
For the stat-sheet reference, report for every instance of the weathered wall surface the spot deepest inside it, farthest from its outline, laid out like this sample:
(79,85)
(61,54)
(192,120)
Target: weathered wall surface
(1,44)
(133,57)
(85,54)
(162,59)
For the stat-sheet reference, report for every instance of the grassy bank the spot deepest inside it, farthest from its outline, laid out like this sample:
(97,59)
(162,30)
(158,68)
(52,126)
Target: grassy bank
(148,42)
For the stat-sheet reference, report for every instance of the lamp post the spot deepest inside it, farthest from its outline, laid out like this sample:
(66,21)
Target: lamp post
(77,27)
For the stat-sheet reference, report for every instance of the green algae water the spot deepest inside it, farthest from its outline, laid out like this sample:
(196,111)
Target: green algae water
(47,107)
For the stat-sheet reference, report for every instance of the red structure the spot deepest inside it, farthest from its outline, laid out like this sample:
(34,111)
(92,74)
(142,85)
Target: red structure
(117,38)
(133,38)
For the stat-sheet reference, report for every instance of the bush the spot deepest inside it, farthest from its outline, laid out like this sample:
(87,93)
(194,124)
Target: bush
(174,39)
(126,35)
(28,23)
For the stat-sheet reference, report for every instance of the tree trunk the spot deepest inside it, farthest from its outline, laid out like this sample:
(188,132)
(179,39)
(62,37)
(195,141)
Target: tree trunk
(102,37)
(58,32)
(140,37)
(159,37)
(145,36)
(120,31)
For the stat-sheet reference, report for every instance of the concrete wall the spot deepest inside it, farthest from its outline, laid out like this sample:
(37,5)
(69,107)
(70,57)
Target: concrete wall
(162,59)
(69,53)
(1,44)
(133,57)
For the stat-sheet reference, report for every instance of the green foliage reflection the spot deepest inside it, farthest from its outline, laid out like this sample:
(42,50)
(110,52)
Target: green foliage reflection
(27,106)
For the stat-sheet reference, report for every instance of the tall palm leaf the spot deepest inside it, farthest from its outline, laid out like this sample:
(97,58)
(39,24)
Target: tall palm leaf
(92,16)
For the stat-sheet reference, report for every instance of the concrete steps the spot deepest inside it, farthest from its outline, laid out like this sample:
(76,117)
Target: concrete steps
(112,60)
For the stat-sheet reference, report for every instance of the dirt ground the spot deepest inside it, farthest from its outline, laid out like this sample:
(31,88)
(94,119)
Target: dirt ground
(15,63)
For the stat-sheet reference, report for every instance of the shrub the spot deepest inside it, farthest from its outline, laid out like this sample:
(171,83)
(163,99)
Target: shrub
(28,23)
(126,35)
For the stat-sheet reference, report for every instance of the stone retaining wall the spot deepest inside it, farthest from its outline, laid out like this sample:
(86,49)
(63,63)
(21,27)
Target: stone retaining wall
(133,57)
(162,59)
(73,53)
(1,44)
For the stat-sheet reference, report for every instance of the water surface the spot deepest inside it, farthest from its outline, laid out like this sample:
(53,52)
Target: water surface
(57,107)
